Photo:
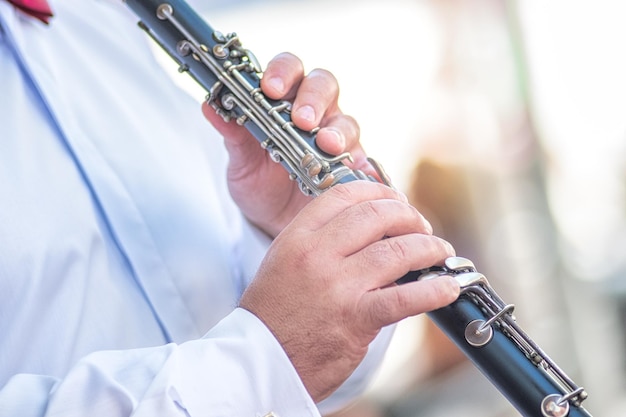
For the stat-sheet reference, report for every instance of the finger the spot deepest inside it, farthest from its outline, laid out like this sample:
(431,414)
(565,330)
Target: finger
(340,133)
(282,77)
(339,198)
(229,130)
(245,152)
(317,96)
(385,261)
(366,223)
(390,305)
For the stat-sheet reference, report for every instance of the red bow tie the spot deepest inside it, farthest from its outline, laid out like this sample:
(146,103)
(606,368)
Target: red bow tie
(36,8)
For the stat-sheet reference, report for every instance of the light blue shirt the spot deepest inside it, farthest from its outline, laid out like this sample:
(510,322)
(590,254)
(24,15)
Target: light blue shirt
(122,257)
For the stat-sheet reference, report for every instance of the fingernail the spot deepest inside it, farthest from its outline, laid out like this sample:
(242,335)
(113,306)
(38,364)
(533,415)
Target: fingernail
(307,113)
(276,83)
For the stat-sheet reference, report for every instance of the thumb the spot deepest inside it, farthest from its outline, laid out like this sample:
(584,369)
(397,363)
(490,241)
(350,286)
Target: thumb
(243,149)
(227,129)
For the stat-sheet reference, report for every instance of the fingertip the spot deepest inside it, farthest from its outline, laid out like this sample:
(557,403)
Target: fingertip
(444,289)
(209,113)
(453,287)
(204,107)
(450,249)
(283,73)
(331,140)
(306,116)
(428,226)
(274,87)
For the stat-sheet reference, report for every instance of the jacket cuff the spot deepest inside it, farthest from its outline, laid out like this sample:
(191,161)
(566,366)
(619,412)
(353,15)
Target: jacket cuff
(264,380)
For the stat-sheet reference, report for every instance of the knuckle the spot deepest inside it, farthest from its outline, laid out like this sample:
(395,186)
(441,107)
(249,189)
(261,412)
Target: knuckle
(370,209)
(375,257)
(285,58)
(322,73)
(387,252)
(350,125)
(399,248)
(322,83)
(391,308)
(401,302)
(346,123)
(381,310)
(343,192)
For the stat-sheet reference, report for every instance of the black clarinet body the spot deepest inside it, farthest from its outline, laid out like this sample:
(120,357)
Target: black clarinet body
(479,322)
(526,386)
(231,75)
(485,330)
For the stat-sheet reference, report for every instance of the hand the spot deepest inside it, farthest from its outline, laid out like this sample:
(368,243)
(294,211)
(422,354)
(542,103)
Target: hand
(260,186)
(327,285)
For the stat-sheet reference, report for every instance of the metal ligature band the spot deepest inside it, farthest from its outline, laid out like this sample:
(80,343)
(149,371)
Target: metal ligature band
(479,322)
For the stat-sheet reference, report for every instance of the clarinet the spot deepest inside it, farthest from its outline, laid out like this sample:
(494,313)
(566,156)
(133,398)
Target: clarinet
(478,322)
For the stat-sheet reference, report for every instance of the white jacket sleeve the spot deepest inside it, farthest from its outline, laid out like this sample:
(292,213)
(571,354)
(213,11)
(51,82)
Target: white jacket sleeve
(237,369)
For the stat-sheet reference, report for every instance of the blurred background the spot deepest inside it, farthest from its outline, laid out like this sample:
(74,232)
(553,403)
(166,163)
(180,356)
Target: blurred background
(505,123)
